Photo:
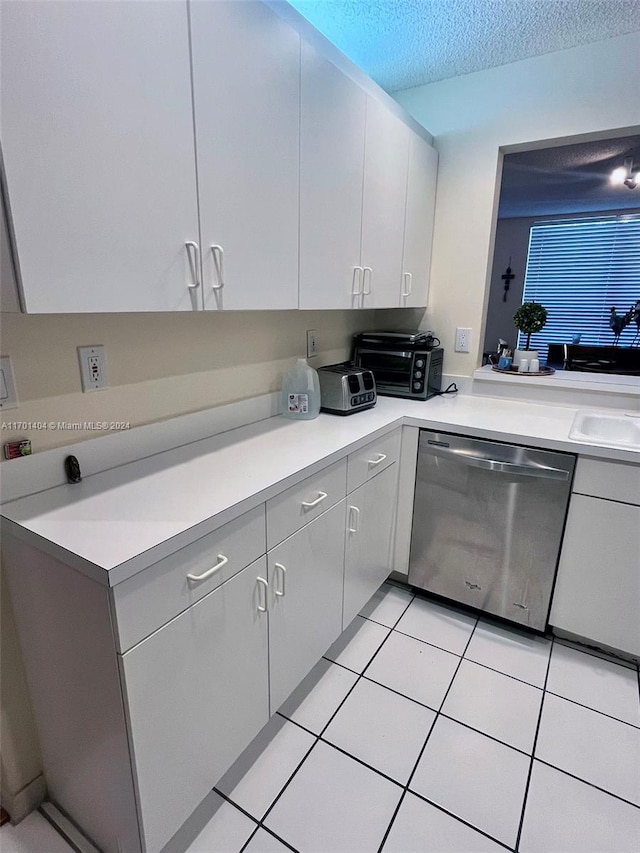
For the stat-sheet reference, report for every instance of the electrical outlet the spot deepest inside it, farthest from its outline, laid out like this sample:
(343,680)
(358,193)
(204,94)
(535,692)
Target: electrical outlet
(8,396)
(312,343)
(463,340)
(93,368)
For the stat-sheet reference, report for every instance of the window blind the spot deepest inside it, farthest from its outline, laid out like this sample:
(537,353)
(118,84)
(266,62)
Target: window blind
(578,269)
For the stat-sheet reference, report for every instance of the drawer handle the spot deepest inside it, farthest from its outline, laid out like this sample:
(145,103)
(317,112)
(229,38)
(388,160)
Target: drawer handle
(262,608)
(318,500)
(381,458)
(222,561)
(354,512)
(283,575)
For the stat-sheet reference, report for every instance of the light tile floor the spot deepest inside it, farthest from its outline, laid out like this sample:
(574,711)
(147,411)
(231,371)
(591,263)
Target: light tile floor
(426,730)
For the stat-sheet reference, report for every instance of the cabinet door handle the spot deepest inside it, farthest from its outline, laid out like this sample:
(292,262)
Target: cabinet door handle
(283,575)
(262,584)
(356,282)
(222,561)
(374,462)
(354,512)
(366,270)
(408,283)
(193,254)
(318,500)
(218,265)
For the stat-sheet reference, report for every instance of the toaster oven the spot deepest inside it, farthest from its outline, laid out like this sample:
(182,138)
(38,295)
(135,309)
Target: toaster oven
(345,388)
(404,364)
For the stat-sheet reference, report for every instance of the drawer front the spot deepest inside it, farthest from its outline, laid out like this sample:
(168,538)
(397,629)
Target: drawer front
(370,460)
(616,481)
(300,504)
(151,598)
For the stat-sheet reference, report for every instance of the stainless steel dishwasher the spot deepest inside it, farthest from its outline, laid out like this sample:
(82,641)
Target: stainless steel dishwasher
(487,524)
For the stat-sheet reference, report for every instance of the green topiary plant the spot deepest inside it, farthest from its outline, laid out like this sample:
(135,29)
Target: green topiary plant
(530,318)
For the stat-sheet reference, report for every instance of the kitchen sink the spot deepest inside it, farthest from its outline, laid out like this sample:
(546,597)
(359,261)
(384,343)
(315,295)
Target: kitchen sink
(621,430)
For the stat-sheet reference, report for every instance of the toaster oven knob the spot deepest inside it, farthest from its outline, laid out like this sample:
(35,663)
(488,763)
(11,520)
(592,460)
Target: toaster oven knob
(420,362)
(417,386)
(418,374)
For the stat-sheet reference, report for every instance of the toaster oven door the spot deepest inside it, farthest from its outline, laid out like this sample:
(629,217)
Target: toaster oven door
(391,368)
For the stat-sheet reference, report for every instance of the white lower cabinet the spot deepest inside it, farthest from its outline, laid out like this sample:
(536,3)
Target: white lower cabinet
(370,516)
(305,600)
(197,692)
(597,594)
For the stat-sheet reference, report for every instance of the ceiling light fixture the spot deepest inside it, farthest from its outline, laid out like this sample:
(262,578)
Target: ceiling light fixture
(624,175)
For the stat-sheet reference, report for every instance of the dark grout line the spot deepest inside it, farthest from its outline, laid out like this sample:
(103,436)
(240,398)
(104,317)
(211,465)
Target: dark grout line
(460,819)
(506,674)
(586,782)
(607,657)
(533,752)
(438,713)
(595,710)
(424,745)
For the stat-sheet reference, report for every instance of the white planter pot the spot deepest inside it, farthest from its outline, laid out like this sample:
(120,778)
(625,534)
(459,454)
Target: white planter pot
(519,354)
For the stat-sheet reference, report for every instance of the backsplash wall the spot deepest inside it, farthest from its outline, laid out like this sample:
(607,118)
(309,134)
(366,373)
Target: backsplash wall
(163,365)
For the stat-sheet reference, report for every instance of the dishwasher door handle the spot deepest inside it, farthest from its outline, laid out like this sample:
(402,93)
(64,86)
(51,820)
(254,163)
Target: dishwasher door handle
(502,467)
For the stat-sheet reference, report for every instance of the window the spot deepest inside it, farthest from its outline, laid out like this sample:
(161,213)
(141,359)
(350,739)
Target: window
(578,269)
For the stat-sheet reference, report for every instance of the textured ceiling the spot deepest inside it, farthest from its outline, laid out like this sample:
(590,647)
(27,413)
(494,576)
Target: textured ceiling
(405,43)
(568,179)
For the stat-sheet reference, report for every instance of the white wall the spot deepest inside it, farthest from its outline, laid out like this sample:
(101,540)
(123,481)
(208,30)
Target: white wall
(584,90)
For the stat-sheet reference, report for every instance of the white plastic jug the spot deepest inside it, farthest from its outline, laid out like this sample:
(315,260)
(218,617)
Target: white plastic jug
(301,392)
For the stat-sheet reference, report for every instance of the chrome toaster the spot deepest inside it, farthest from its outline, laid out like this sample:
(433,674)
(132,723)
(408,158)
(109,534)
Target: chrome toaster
(345,388)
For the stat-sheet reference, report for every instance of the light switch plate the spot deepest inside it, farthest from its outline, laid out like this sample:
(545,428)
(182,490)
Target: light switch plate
(8,396)
(93,368)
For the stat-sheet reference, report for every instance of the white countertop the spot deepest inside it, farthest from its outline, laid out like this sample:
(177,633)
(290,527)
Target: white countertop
(119,521)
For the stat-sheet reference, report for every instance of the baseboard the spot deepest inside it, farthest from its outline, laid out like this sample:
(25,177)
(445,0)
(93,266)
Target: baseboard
(67,828)
(26,800)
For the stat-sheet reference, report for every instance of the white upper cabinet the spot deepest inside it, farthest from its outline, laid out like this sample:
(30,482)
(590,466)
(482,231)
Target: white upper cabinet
(418,226)
(383,205)
(332,129)
(97,136)
(246,80)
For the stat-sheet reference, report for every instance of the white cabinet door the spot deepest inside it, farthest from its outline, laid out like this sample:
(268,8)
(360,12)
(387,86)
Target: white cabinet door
(97,136)
(197,694)
(246,80)
(332,127)
(370,514)
(305,600)
(418,225)
(383,205)
(597,593)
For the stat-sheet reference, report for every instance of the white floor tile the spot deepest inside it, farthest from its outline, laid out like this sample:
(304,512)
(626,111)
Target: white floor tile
(263,842)
(597,683)
(591,746)
(494,704)
(358,644)
(264,767)
(437,624)
(415,669)
(564,814)
(382,729)
(334,805)
(387,605)
(420,827)
(508,650)
(313,703)
(473,777)
(32,835)
(227,831)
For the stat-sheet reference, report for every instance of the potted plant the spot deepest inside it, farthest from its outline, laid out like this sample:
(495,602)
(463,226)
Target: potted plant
(529,319)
